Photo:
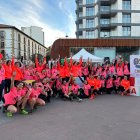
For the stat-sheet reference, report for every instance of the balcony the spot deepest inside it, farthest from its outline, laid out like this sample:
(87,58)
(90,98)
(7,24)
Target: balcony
(107,2)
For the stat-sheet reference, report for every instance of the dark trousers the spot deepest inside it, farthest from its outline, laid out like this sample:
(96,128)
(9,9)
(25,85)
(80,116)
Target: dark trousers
(7,85)
(1,88)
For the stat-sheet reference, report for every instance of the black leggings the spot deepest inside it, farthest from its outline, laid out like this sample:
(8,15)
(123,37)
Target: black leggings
(7,85)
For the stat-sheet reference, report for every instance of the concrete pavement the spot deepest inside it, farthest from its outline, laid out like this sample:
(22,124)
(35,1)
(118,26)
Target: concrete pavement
(108,117)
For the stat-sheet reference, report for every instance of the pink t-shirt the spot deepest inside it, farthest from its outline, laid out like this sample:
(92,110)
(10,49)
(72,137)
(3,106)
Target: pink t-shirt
(119,71)
(86,88)
(102,83)
(48,72)
(13,96)
(27,75)
(109,83)
(54,72)
(65,89)
(75,88)
(117,82)
(35,93)
(58,84)
(126,70)
(85,71)
(112,70)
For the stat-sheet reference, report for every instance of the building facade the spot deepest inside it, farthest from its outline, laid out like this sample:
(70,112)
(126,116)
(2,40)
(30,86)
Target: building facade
(98,47)
(15,42)
(35,33)
(108,18)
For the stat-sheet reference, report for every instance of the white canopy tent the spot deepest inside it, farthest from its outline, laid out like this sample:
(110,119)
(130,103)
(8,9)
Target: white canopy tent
(85,55)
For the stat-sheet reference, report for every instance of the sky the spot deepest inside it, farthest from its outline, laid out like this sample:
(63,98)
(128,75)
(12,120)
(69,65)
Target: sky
(56,17)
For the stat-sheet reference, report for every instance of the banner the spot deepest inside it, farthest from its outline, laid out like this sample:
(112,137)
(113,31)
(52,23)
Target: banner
(135,91)
(135,66)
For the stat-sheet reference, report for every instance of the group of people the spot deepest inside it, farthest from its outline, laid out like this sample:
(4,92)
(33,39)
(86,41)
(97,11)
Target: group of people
(25,87)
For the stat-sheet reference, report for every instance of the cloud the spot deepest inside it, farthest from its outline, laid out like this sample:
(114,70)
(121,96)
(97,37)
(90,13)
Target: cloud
(29,14)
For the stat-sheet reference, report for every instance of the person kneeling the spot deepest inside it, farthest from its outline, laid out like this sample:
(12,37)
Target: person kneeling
(34,100)
(16,99)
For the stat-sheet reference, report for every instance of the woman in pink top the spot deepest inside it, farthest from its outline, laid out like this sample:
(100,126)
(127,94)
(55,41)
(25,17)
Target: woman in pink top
(8,73)
(112,69)
(54,72)
(27,74)
(120,70)
(75,89)
(126,69)
(86,89)
(34,99)
(66,92)
(102,89)
(109,85)
(16,98)
(117,82)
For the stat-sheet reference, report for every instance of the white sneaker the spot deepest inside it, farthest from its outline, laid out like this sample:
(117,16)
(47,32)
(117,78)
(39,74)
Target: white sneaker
(80,100)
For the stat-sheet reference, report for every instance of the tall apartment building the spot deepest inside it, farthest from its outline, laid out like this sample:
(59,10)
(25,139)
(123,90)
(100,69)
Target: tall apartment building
(34,32)
(108,18)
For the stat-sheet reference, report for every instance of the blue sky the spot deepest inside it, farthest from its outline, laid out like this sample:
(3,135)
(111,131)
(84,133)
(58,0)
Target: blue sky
(56,17)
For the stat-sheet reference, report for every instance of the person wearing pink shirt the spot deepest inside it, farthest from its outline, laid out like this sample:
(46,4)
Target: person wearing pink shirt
(44,85)
(85,71)
(126,69)
(66,91)
(54,72)
(104,73)
(112,69)
(117,82)
(16,99)
(75,89)
(34,99)
(2,79)
(120,70)
(8,73)
(102,89)
(86,89)
(109,85)
(26,73)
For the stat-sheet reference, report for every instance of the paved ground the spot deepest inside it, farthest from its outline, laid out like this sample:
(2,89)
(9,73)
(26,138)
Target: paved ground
(109,117)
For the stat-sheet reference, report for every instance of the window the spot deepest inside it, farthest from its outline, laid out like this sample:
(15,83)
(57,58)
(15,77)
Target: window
(80,2)
(2,45)
(105,8)
(29,48)
(89,23)
(24,48)
(89,34)
(126,31)
(126,5)
(105,34)
(90,1)
(19,46)
(105,21)
(2,35)
(90,11)
(126,18)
